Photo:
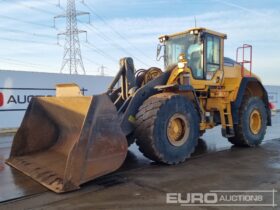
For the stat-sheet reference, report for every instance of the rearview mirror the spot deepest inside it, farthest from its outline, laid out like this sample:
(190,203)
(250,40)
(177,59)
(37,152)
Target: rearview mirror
(159,48)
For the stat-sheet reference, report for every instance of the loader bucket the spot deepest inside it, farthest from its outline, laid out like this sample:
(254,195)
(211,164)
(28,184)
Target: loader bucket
(64,142)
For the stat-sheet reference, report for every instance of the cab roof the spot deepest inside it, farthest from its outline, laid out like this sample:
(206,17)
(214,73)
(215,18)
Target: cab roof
(192,30)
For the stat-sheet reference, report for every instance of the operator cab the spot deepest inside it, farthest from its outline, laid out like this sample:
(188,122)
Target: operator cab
(202,48)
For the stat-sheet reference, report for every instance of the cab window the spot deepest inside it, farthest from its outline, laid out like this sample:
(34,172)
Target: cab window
(212,55)
(192,46)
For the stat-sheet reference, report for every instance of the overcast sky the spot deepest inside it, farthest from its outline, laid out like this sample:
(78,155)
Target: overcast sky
(123,28)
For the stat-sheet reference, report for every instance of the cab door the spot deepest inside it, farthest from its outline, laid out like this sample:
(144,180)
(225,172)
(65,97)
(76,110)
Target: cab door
(212,63)
(213,58)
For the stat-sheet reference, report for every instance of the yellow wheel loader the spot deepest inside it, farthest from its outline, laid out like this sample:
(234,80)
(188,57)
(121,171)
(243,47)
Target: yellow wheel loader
(70,139)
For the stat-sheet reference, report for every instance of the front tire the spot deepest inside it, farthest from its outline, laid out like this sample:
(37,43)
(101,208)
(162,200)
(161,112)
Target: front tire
(167,128)
(252,125)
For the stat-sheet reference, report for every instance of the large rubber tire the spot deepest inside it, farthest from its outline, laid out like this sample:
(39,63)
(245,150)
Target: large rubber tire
(152,123)
(244,136)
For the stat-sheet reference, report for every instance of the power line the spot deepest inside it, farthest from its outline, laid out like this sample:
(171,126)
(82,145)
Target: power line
(91,61)
(21,65)
(25,21)
(115,31)
(100,52)
(110,40)
(17,31)
(114,44)
(19,62)
(26,41)
(89,45)
(31,7)
(53,4)
(27,33)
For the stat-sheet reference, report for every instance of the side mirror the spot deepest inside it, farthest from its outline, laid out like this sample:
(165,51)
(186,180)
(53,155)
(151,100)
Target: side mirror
(159,48)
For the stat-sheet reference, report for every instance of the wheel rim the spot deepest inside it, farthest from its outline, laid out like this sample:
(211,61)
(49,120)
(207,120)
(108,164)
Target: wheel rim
(178,130)
(255,122)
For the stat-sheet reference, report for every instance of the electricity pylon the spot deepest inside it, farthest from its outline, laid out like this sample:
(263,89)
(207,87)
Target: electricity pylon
(72,57)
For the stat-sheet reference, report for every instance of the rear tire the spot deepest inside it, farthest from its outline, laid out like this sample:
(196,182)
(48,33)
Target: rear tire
(252,125)
(167,128)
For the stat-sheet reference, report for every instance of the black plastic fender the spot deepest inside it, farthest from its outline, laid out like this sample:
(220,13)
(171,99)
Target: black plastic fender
(241,92)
